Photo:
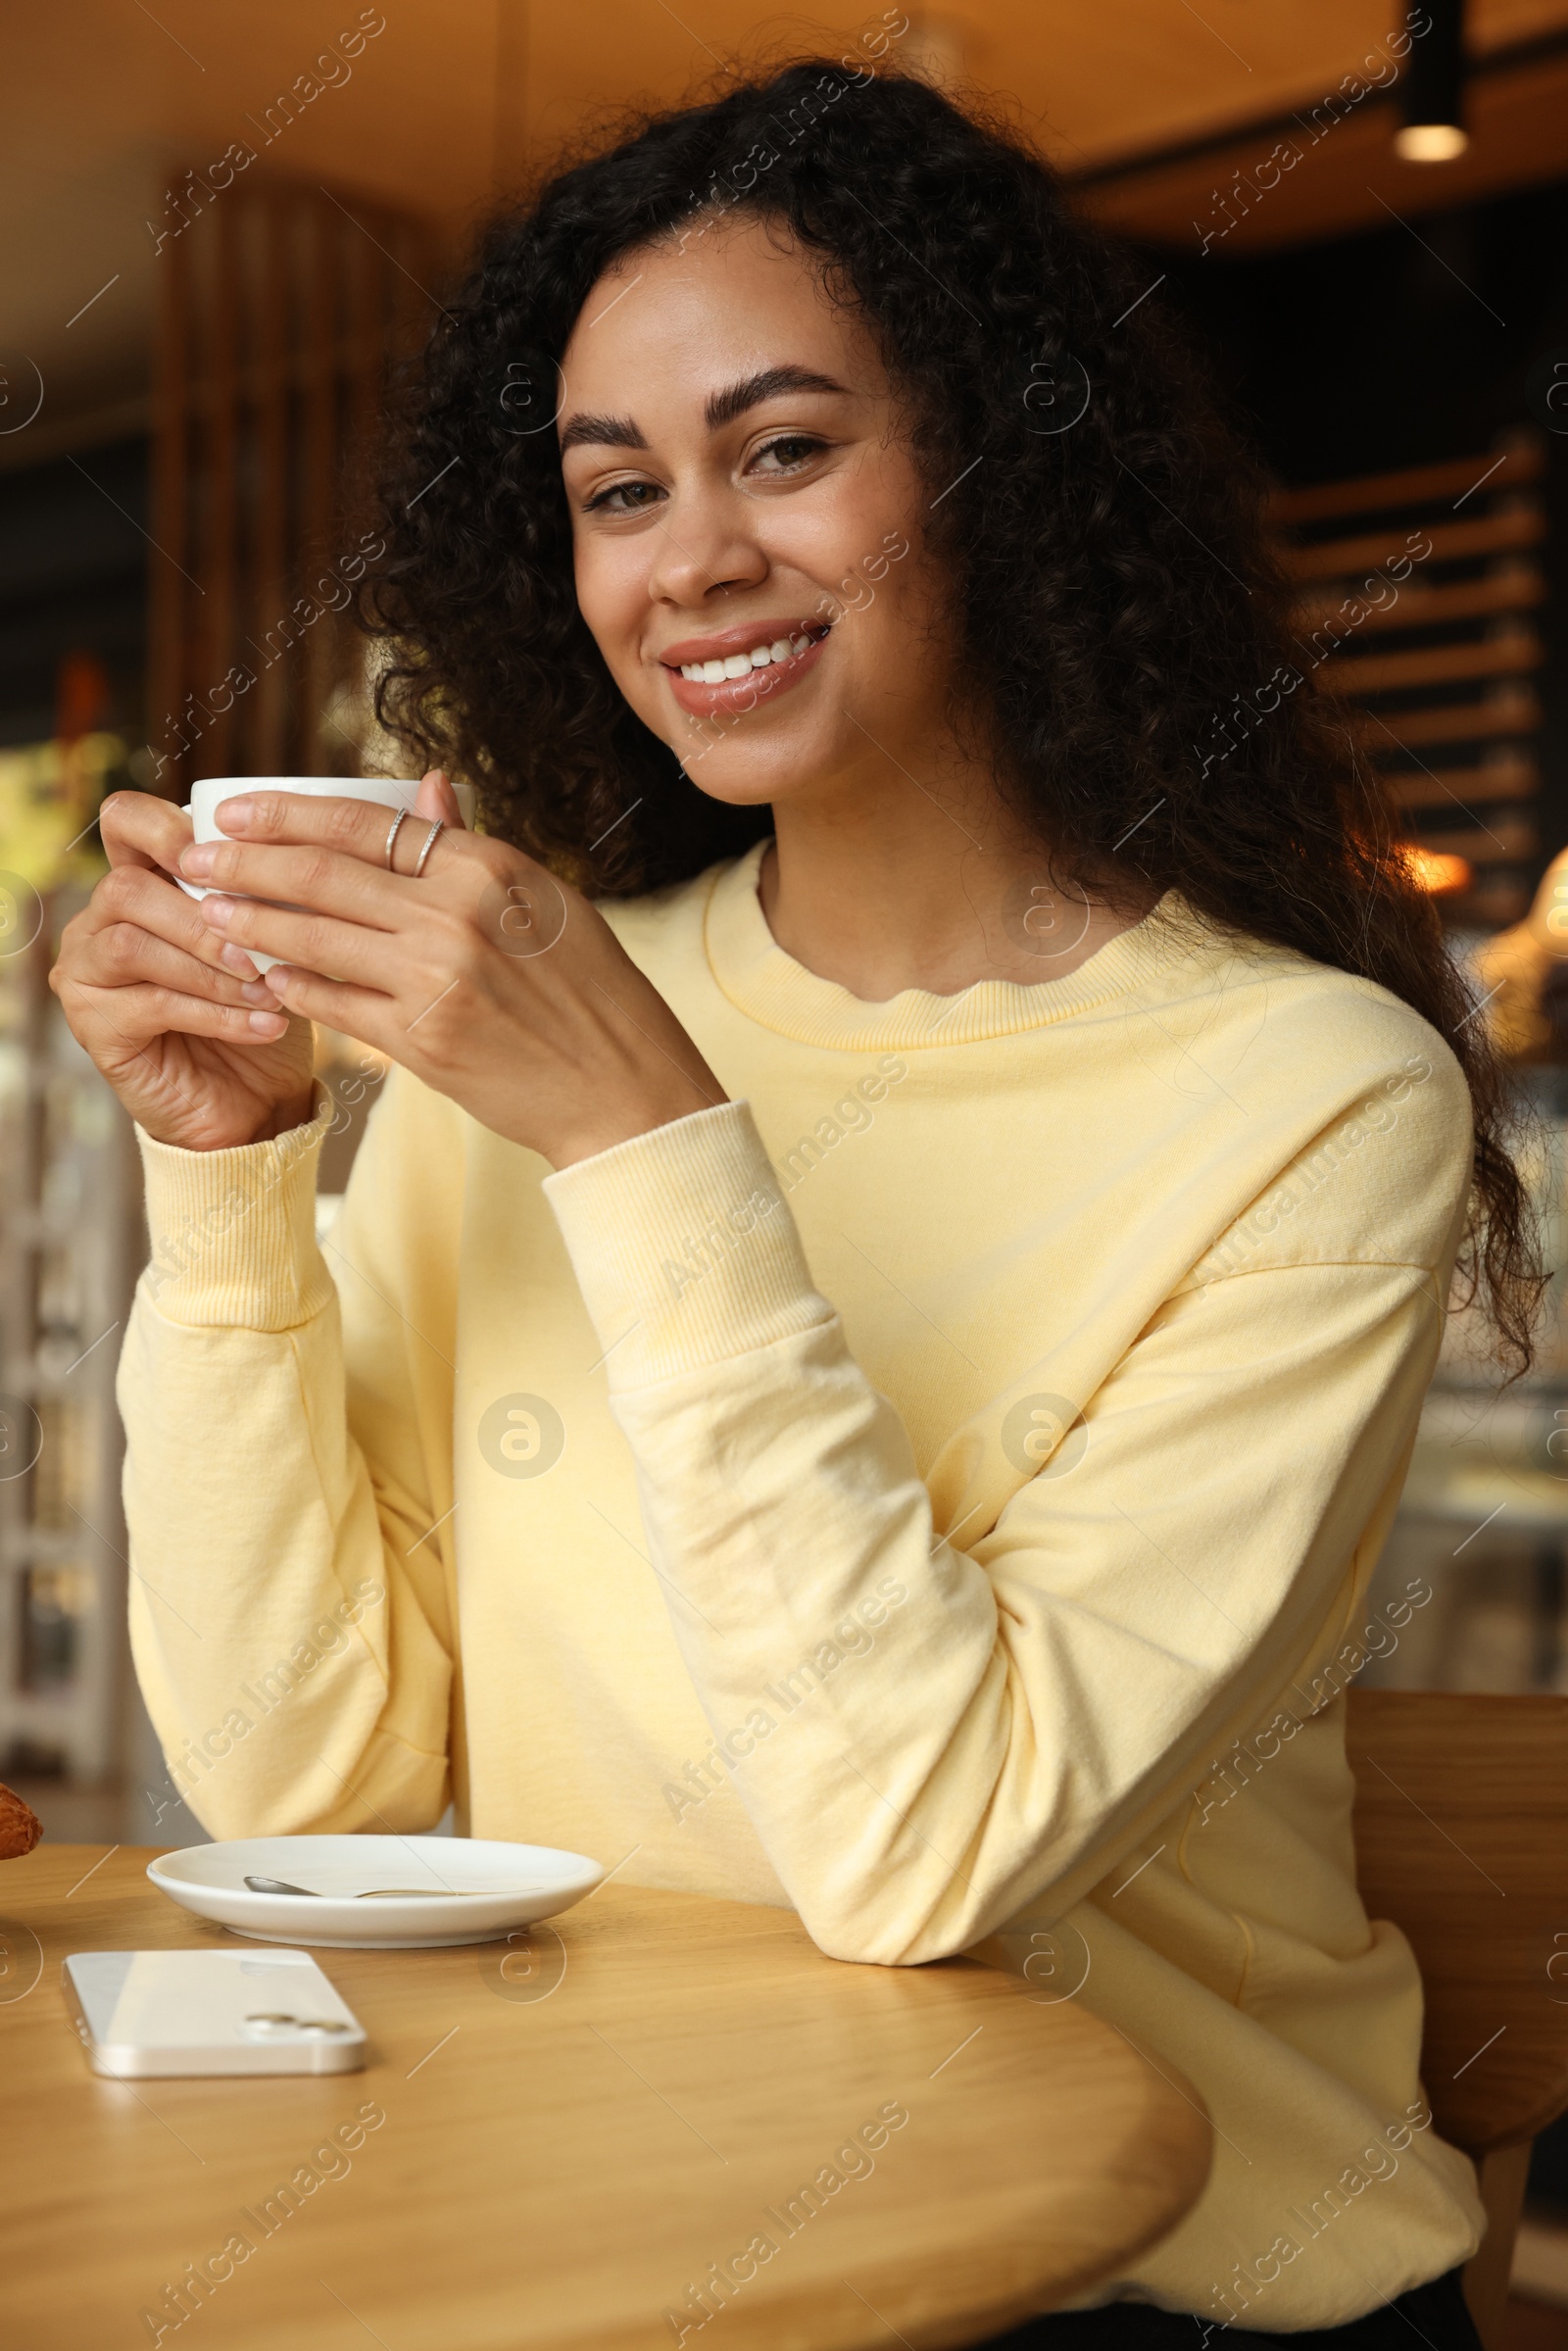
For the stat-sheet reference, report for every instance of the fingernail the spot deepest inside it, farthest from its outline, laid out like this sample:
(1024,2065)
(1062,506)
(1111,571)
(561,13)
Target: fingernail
(257,992)
(267,1024)
(218,911)
(233,815)
(196,862)
(235,959)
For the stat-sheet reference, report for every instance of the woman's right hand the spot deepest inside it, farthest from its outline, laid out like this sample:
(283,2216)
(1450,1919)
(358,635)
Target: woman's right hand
(160,1003)
(1547,919)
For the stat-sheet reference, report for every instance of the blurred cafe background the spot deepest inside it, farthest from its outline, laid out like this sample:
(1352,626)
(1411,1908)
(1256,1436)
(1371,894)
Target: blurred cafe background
(223,224)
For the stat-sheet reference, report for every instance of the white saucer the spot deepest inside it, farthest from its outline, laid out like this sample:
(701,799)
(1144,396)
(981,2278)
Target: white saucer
(488,1888)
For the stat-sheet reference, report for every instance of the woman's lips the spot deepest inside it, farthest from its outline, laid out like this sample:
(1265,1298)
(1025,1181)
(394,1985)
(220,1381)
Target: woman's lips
(733,697)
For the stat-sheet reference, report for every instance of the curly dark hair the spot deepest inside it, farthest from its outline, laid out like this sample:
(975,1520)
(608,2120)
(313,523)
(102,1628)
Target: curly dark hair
(1121,627)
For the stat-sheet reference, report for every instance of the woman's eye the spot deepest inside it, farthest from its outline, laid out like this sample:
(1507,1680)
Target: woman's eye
(791,451)
(625,498)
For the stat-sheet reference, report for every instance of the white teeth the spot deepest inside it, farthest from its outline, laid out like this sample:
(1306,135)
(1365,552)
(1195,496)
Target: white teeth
(741,665)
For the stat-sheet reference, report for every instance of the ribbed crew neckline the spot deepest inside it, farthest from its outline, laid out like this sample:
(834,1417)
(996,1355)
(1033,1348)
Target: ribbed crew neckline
(766,984)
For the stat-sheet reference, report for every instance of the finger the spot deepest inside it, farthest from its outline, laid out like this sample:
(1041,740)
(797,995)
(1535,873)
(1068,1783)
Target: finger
(359,1012)
(137,1014)
(348,951)
(133,894)
(122,954)
(138,828)
(436,797)
(321,880)
(349,829)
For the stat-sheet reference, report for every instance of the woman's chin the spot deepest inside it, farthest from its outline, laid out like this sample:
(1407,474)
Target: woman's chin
(742,781)
(817,758)
(762,792)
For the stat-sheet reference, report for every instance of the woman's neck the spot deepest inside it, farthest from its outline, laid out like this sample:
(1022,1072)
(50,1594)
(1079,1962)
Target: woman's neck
(886,890)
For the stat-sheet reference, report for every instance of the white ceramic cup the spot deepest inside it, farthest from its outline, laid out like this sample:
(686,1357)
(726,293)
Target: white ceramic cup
(209,795)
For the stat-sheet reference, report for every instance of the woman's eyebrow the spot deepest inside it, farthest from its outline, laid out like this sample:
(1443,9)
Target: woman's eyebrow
(613,432)
(623,432)
(724,406)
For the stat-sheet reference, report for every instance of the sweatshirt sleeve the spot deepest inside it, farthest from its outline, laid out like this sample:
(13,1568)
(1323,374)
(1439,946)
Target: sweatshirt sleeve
(288,1610)
(940,1716)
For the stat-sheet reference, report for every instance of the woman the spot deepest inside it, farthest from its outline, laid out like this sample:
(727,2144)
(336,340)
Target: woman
(877,1328)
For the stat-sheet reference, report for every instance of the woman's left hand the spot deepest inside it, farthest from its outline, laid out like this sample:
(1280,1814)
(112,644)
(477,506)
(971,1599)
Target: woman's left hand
(485,977)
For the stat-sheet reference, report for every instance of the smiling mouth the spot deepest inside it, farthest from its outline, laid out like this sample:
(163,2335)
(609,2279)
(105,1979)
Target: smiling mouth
(767,653)
(740,677)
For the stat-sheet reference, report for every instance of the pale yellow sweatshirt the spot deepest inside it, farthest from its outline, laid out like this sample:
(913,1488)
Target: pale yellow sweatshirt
(936,1491)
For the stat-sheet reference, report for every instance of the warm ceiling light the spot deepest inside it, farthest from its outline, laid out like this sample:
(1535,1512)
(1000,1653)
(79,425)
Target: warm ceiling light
(1431,89)
(1436,873)
(1430,143)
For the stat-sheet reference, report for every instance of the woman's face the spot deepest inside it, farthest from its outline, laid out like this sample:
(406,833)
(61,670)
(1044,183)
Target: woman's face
(746,515)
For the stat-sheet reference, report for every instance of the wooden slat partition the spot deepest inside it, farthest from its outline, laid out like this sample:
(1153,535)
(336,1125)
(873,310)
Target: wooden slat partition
(1501,713)
(1508,778)
(273,454)
(1439,664)
(1524,525)
(281,310)
(1506,837)
(1417,618)
(171,590)
(1327,500)
(220,489)
(321,435)
(1506,587)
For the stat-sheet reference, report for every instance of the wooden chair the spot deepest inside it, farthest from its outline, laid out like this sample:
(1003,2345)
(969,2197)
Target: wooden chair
(1461,1831)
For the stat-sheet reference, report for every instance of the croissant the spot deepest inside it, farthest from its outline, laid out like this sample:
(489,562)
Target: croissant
(20,1828)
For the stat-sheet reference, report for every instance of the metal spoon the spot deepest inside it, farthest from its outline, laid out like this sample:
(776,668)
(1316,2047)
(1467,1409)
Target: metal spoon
(401,1893)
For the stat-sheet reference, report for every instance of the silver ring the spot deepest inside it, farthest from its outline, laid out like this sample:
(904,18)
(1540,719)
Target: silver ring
(439,826)
(391,837)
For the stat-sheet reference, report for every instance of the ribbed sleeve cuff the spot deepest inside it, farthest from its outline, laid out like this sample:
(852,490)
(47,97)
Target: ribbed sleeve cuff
(683,1247)
(233,1232)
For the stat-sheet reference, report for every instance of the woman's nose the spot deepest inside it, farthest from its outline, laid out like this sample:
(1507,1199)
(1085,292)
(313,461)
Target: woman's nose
(704,546)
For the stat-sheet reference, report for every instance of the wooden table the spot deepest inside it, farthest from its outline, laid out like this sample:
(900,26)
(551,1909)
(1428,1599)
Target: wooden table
(577,2135)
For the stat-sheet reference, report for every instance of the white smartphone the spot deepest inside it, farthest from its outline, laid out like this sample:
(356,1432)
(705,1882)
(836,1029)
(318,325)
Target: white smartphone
(209,2012)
